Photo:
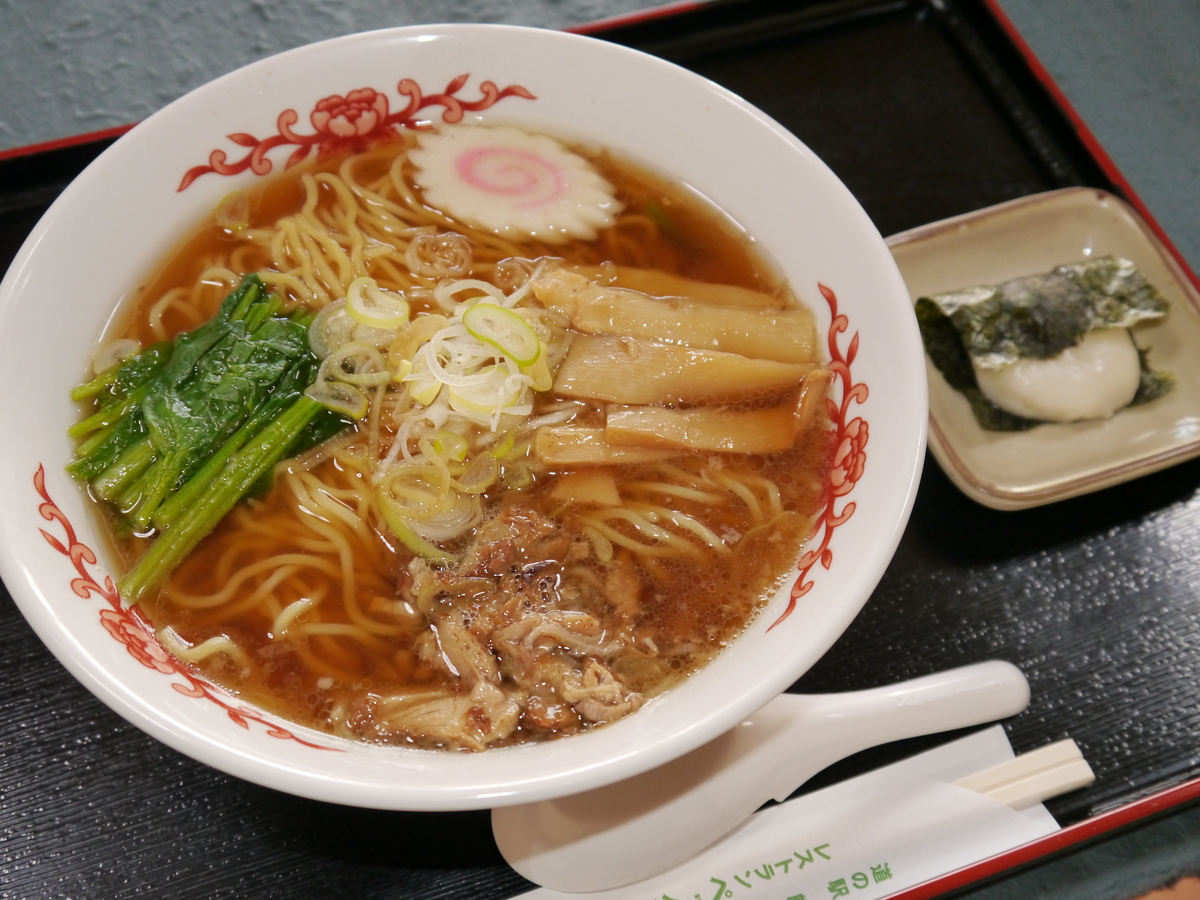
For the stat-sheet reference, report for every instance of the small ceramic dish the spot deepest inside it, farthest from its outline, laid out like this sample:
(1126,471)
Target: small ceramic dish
(119,218)
(1017,470)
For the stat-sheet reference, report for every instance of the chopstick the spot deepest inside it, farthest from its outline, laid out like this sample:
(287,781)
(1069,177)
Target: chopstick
(1033,777)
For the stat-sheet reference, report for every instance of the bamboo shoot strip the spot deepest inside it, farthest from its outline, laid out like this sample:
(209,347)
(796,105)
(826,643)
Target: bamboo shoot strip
(587,446)
(782,335)
(756,431)
(664,284)
(813,390)
(636,371)
(587,487)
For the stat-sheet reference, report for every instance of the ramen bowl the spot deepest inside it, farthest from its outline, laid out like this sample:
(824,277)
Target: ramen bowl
(150,189)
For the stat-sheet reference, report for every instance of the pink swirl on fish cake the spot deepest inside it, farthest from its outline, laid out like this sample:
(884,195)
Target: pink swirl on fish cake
(512,173)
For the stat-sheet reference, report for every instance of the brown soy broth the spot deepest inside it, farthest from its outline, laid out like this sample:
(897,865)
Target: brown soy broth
(707,602)
(210,245)
(690,608)
(695,241)
(285,682)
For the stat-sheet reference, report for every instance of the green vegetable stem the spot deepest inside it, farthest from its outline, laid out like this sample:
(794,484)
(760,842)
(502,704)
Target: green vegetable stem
(222,492)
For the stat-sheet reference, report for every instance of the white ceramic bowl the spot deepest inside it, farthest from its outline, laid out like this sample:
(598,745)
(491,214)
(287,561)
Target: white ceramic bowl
(121,215)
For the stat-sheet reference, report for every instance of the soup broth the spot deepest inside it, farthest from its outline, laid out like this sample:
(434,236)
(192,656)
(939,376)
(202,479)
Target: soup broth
(587,581)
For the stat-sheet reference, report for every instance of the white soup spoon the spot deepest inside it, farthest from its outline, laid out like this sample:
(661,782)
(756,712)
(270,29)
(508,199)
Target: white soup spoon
(634,829)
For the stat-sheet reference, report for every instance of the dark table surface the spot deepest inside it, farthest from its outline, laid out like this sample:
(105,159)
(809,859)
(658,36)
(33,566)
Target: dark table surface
(925,111)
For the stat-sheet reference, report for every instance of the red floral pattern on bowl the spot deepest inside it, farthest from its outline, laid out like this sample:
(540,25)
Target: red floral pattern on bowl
(849,457)
(355,115)
(128,626)
(351,123)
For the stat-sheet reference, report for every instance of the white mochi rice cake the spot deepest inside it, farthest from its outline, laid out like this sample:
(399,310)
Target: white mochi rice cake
(1053,347)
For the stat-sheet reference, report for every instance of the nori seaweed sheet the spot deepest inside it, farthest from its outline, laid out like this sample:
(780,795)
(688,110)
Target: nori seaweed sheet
(1039,316)
(945,347)
(1153,383)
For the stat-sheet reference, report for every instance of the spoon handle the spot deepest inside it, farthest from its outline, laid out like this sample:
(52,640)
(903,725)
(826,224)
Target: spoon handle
(639,827)
(856,720)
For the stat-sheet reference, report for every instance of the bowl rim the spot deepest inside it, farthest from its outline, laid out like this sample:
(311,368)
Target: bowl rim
(636,749)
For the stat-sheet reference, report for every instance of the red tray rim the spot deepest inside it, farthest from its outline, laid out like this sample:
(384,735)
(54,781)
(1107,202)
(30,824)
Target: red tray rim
(1073,835)
(1081,832)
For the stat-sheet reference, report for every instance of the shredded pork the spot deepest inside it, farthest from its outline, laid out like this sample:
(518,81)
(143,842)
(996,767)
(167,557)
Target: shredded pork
(511,632)
(470,721)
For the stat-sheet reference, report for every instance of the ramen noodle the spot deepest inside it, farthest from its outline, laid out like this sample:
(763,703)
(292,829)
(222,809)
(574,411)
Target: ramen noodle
(586,443)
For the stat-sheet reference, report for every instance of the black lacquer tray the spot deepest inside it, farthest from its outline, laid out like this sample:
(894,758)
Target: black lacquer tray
(925,110)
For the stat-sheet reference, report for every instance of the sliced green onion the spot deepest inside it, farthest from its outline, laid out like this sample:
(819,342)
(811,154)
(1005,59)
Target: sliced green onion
(233,212)
(418,506)
(423,385)
(328,330)
(369,305)
(399,526)
(504,330)
(462,513)
(344,399)
(480,475)
(487,395)
(543,380)
(355,363)
(422,490)
(450,445)
(332,327)
(504,447)
(446,293)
